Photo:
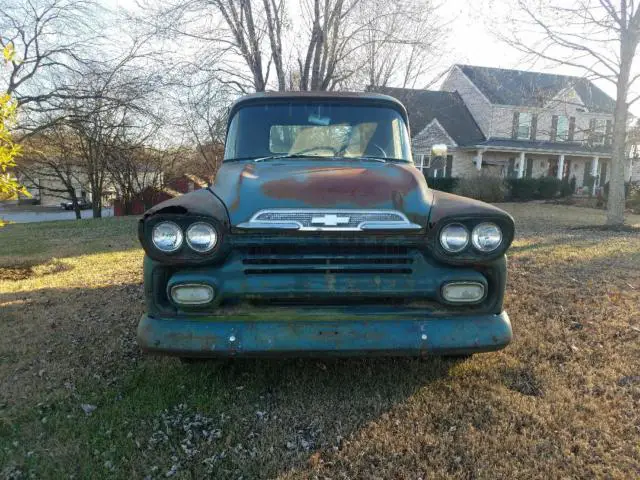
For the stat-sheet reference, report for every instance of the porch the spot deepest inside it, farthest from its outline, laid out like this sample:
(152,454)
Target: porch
(591,172)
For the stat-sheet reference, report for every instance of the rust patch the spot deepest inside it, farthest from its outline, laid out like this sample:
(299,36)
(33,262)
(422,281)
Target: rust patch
(330,186)
(247,172)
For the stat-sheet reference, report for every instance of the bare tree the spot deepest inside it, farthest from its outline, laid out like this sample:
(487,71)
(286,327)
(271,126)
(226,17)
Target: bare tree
(205,120)
(403,42)
(600,38)
(115,111)
(52,40)
(51,163)
(133,168)
(327,48)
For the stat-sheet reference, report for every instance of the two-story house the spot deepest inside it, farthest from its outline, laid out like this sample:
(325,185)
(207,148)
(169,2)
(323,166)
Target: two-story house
(513,123)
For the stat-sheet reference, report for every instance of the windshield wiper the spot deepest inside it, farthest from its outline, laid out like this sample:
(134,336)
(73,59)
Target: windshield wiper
(372,158)
(288,155)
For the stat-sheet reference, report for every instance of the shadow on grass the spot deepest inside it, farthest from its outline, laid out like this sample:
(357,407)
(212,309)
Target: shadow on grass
(267,415)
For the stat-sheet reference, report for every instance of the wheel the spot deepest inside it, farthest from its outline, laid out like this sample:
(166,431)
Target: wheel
(458,358)
(193,360)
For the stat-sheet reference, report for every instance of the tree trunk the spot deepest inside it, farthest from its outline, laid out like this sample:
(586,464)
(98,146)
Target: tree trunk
(96,201)
(74,201)
(616,200)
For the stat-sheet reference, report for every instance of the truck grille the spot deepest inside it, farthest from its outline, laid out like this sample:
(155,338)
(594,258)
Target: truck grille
(352,259)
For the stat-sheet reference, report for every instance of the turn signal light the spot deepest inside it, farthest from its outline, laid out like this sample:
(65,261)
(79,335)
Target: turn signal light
(192,294)
(463,292)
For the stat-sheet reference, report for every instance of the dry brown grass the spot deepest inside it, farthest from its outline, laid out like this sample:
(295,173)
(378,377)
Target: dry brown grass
(561,402)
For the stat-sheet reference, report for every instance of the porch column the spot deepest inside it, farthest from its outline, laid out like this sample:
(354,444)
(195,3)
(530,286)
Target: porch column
(560,167)
(594,174)
(521,165)
(479,160)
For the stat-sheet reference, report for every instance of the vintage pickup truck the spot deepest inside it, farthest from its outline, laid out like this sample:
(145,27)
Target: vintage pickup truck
(320,236)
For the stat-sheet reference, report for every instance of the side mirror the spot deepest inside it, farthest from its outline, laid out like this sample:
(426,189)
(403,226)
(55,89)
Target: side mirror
(439,150)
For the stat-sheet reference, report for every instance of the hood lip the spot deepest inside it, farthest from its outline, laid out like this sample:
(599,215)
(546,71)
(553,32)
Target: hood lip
(246,187)
(284,159)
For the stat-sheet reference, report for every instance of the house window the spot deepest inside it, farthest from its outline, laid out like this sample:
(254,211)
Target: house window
(422,161)
(599,131)
(434,168)
(562,129)
(524,126)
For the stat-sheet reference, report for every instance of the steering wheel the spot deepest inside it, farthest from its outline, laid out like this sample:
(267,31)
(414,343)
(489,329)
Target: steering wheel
(384,154)
(317,147)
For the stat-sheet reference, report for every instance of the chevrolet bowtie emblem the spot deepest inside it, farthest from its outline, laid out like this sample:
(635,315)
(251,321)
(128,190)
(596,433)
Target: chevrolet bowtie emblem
(330,220)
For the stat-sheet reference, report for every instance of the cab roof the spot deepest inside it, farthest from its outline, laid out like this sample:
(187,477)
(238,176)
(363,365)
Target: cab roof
(366,98)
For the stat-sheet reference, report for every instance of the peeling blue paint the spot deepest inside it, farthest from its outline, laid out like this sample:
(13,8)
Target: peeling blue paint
(239,337)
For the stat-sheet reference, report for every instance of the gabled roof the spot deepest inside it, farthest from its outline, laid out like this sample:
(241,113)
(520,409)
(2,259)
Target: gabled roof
(534,89)
(425,105)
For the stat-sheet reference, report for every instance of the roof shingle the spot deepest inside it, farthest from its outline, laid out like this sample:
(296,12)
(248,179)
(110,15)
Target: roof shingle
(425,105)
(534,89)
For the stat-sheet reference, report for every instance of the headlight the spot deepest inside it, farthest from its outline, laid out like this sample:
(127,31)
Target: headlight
(202,237)
(454,238)
(486,237)
(167,236)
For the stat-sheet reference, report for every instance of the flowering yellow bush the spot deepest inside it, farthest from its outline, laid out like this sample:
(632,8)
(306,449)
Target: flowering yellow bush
(9,150)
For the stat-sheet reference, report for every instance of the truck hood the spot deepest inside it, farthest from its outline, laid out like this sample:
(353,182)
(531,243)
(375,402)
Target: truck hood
(246,187)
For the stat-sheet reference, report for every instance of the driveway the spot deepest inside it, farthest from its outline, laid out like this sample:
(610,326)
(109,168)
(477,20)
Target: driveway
(30,214)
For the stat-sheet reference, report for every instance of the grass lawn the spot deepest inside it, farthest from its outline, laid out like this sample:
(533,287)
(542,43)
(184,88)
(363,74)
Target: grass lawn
(78,399)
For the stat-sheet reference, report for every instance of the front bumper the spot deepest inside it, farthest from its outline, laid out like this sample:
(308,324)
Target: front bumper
(315,334)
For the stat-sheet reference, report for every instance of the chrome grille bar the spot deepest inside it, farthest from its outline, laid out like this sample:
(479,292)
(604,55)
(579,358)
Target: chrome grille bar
(343,220)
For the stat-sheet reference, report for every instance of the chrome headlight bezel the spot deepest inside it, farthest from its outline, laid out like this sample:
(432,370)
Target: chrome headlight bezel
(470,254)
(192,244)
(185,255)
(461,230)
(476,237)
(177,231)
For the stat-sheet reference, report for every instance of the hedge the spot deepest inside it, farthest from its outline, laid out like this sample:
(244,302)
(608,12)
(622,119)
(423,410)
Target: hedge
(495,189)
(444,184)
(486,188)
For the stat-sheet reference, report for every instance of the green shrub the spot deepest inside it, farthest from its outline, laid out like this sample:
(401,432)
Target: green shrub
(627,190)
(568,187)
(548,187)
(633,201)
(443,184)
(485,187)
(523,189)
(588,184)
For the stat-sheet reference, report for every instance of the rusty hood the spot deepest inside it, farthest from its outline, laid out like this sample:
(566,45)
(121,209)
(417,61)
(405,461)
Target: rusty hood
(247,186)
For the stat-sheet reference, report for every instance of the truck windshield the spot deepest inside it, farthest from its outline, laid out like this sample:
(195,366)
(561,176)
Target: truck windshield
(317,129)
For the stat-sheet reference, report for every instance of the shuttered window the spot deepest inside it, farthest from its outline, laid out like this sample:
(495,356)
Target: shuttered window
(524,126)
(572,128)
(562,128)
(608,133)
(599,131)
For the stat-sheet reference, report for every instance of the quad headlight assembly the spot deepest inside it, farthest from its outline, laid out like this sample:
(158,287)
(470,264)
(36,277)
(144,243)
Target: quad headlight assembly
(169,237)
(484,237)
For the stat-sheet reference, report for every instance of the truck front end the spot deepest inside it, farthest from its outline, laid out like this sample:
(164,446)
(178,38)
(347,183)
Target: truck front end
(320,237)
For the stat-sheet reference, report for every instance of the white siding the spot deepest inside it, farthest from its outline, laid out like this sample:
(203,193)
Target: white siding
(429,136)
(462,165)
(503,121)
(634,166)
(475,101)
